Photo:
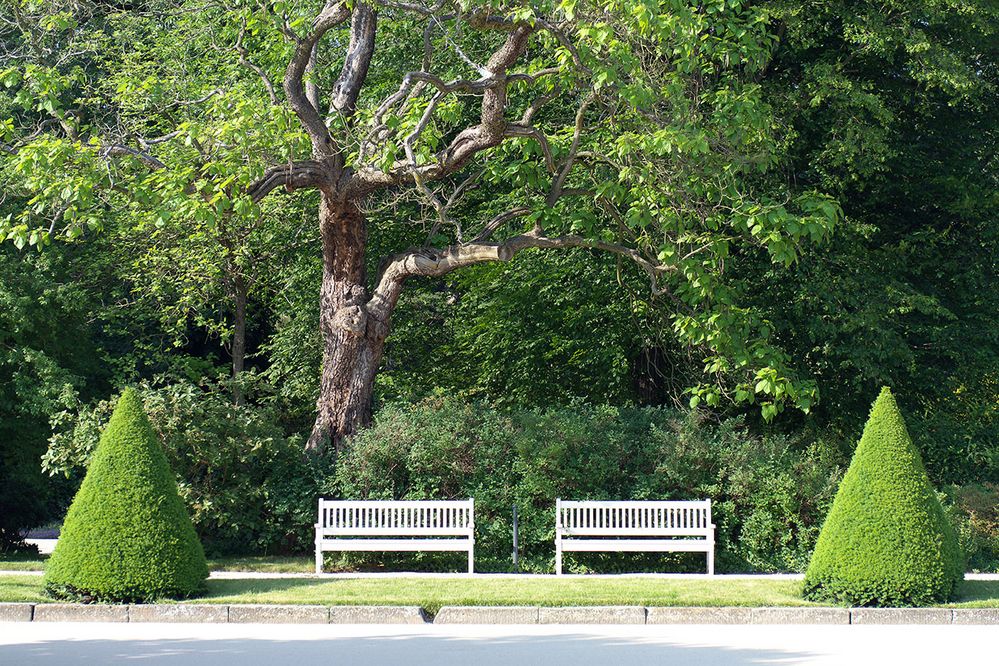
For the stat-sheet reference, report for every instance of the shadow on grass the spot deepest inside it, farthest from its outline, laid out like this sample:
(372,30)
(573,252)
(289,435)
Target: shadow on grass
(22,562)
(221,587)
(979,593)
(263,563)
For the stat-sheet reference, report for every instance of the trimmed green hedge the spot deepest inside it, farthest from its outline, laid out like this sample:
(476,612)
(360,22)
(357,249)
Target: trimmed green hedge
(127,536)
(886,540)
(769,492)
(246,485)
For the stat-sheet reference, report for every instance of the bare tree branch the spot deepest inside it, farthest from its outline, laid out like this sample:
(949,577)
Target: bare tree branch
(567,163)
(311,87)
(246,62)
(293,176)
(119,150)
(355,65)
(489,132)
(334,13)
(434,262)
(498,221)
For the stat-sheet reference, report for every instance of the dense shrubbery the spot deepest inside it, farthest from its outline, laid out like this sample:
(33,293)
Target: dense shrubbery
(974,511)
(127,536)
(886,541)
(45,350)
(770,493)
(246,485)
(249,489)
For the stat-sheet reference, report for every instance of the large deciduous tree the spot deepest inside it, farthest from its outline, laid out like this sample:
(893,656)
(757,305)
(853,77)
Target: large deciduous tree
(634,127)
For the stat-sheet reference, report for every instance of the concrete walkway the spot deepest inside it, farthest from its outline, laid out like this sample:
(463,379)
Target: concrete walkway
(694,645)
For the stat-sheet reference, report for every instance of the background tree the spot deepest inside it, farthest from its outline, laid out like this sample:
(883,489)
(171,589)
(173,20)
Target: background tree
(890,107)
(647,117)
(47,357)
(887,106)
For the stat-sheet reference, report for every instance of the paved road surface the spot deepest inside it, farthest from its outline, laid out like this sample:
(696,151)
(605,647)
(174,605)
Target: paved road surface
(292,645)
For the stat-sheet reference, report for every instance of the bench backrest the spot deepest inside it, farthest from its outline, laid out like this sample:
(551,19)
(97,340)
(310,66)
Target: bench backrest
(639,518)
(405,517)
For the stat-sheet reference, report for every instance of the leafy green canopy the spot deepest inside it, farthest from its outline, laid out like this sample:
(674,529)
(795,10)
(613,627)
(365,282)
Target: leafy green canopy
(127,536)
(46,351)
(646,131)
(886,541)
(891,106)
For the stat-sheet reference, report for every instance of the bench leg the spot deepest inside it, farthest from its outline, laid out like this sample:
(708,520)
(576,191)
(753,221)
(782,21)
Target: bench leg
(319,557)
(471,559)
(711,562)
(558,557)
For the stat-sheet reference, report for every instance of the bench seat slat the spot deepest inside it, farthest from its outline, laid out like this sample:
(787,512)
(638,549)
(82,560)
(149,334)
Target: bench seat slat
(395,544)
(397,504)
(640,546)
(620,504)
(627,531)
(395,531)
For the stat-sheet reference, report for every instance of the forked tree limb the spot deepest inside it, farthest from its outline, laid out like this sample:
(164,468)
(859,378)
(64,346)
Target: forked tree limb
(332,15)
(434,262)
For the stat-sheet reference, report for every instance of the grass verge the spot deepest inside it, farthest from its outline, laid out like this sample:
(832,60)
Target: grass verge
(432,593)
(255,563)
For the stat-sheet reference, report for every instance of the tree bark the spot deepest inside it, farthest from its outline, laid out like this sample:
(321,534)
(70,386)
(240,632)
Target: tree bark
(238,350)
(353,341)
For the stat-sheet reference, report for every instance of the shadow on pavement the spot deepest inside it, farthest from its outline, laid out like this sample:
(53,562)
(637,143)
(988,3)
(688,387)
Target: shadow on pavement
(514,650)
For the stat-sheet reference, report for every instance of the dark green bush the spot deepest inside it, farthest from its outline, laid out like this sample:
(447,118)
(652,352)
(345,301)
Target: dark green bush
(247,487)
(769,493)
(974,511)
(45,355)
(127,536)
(886,540)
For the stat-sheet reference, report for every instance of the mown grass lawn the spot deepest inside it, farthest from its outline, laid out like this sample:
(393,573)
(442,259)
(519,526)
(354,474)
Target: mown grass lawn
(257,563)
(17,562)
(432,593)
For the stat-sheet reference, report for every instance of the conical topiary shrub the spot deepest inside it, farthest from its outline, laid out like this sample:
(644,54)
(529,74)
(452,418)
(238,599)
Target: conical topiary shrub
(127,536)
(886,540)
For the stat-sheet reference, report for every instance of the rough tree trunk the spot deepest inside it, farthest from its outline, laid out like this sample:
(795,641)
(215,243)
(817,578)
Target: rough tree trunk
(352,340)
(239,336)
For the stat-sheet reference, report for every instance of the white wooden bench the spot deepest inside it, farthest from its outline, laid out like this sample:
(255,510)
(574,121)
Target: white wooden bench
(413,525)
(634,527)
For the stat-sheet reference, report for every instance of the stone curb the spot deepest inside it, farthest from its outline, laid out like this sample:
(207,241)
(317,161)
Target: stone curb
(901,616)
(592,615)
(804,615)
(15,612)
(376,615)
(274,614)
(976,616)
(487,615)
(80,613)
(699,615)
(191,614)
(283,614)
